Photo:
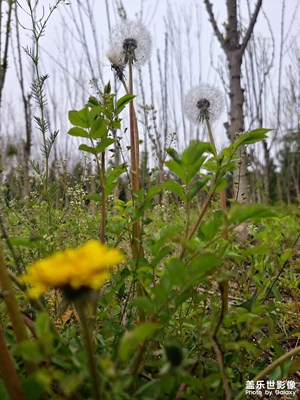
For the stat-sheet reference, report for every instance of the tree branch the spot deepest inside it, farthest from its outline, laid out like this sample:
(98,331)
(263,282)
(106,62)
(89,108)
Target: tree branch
(251,26)
(214,23)
(3,61)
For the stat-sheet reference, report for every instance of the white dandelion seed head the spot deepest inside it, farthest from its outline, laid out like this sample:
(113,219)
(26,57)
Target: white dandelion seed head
(134,39)
(116,58)
(203,101)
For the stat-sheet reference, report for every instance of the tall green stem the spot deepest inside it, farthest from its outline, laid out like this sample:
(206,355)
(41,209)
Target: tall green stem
(89,350)
(223,285)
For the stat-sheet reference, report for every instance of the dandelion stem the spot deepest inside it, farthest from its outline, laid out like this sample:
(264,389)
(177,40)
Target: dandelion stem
(223,285)
(134,151)
(89,349)
(211,136)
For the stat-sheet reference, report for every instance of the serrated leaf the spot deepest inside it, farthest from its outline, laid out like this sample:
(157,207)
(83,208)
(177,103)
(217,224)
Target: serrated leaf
(132,339)
(123,101)
(78,132)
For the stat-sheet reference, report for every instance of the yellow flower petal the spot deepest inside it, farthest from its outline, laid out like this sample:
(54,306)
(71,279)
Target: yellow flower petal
(85,266)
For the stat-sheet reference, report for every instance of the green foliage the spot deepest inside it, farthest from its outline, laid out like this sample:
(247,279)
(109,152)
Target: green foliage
(163,327)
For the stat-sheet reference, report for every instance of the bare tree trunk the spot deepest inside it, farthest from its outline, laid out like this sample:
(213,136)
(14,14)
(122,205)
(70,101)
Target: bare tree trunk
(234,47)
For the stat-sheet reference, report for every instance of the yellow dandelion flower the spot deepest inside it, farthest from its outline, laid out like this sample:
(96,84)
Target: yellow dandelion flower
(83,267)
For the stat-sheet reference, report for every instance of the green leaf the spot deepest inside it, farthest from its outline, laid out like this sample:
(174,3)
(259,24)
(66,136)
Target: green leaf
(79,118)
(107,88)
(176,272)
(194,151)
(87,149)
(78,132)
(33,388)
(251,137)
(202,266)
(242,212)
(123,101)
(94,113)
(173,153)
(242,344)
(143,303)
(132,339)
(43,325)
(116,124)
(112,175)
(105,142)
(175,187)
(221,185)
(196,187)
(94,196)
(193,169)
(25,242)
(208,230)
(177,169)
(161,254)
(93,101)
(30,351)
(98,128)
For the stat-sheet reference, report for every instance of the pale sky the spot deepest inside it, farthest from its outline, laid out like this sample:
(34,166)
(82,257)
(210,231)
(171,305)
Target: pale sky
(155,13)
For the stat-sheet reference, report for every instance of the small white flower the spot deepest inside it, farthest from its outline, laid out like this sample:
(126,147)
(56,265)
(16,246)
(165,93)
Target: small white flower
(134,39)
(203,102)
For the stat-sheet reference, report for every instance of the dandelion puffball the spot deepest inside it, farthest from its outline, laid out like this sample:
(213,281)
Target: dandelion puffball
(203,102)
(134,39)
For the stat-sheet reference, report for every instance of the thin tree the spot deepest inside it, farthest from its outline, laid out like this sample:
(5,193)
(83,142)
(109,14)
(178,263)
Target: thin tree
(5,25)
(234,46)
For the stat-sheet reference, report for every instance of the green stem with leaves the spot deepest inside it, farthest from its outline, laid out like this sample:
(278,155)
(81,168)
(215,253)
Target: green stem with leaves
(38,31)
